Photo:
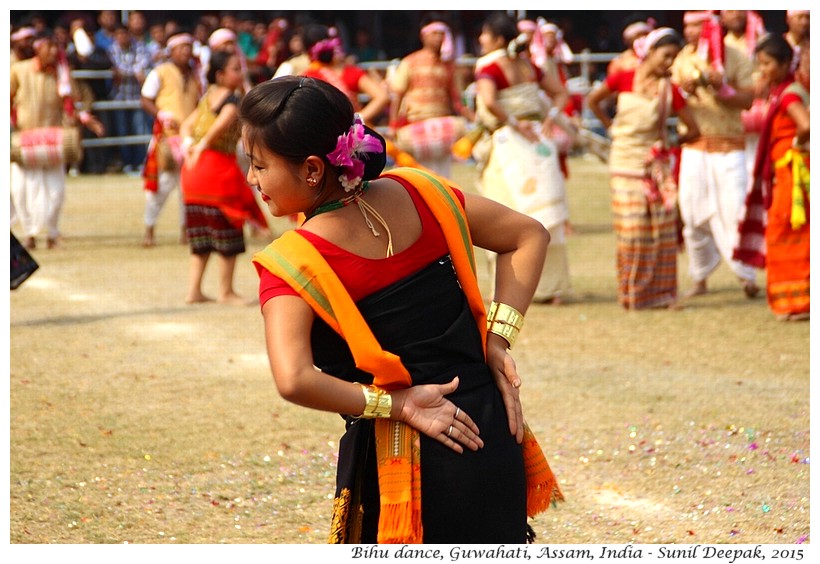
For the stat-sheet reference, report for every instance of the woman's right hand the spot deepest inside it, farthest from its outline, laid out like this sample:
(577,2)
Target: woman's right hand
(426,409)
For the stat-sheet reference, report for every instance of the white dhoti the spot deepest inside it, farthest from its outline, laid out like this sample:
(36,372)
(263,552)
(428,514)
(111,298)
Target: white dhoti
(711,193)
(37,196)
(155,201)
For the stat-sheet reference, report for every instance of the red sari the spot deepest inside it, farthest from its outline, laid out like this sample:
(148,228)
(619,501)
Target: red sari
(787,251)
(787,245)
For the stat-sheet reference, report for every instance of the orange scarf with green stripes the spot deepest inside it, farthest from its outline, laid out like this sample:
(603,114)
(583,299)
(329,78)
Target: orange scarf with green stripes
(295,260)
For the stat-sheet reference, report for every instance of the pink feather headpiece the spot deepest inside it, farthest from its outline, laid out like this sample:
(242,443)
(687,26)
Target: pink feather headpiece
(351,148)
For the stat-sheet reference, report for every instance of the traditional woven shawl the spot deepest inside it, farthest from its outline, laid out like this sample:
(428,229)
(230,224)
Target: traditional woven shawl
(295,260)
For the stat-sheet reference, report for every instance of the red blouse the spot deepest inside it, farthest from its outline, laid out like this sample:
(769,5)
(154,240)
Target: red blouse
(363,276)
(493,72)
(622,81)
(349,78)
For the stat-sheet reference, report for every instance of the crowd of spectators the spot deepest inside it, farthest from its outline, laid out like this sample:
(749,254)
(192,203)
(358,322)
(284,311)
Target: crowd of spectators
(127,48)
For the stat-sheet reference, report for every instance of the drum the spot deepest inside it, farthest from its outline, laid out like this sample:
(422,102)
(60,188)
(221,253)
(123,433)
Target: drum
(431,138)
(46,147)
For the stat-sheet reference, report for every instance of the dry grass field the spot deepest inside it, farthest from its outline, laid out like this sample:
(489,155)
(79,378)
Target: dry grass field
(135,418)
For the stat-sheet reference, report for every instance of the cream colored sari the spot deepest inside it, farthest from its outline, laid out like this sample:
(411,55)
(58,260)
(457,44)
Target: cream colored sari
(527,177)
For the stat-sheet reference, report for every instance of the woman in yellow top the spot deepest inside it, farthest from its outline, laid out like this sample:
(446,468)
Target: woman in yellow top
(218,200)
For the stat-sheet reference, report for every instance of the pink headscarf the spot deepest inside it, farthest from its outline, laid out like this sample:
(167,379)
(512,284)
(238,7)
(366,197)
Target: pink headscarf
(23,33)
(180,39)
(538,53)
(644,44)
(447,49)
(220,36)
(332,43)
(562,51)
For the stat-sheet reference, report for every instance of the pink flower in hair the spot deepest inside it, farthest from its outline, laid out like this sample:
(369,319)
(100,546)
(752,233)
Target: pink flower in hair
(351,147)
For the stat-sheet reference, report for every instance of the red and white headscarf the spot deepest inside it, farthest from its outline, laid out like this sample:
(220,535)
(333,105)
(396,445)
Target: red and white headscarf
(447,47)
(755,29)
(538,53)
(644,44)
(633,30)
(694,17)
(710,45)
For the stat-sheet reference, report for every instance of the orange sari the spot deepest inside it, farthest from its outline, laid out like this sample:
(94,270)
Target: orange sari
(774,231)
(787,241)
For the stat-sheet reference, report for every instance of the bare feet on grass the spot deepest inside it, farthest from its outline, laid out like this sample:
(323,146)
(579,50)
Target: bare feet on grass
(750,288)
(148,239)
(198,299)
(794,316)
(699,289)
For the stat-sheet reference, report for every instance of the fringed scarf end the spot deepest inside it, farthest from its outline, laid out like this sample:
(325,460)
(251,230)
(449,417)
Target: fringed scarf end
(399,523)
(542,496)
(542,486)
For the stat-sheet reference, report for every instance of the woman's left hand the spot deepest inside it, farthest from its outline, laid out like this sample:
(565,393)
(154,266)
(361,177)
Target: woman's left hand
(526,129)
(506,378)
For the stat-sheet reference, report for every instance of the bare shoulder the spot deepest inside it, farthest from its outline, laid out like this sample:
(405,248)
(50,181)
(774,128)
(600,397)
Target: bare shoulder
(389,191)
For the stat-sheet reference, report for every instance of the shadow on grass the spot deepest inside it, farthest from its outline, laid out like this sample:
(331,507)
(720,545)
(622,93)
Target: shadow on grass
(66,320)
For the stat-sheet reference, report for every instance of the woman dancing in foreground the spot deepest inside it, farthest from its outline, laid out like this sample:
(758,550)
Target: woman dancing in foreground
(377,289)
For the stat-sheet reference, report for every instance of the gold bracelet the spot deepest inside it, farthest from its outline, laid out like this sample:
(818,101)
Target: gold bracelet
(505,321)
(378,403)
(506,332)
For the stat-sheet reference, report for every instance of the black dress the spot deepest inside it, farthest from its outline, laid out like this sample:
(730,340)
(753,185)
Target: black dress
(474,497)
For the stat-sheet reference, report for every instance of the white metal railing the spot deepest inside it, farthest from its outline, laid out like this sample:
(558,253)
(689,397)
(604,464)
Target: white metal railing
(580,84)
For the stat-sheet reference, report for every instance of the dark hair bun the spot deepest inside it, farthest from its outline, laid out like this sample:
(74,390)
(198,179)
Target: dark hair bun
(374,163)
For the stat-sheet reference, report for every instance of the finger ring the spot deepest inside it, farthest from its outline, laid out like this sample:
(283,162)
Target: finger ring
(458,410)
(450,430)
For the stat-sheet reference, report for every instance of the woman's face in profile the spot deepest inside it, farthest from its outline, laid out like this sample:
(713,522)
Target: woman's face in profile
(771,70)
(662,58)
(488,41)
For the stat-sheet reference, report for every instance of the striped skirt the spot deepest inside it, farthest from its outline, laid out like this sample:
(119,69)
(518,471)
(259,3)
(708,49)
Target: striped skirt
(647,246)
(209,230)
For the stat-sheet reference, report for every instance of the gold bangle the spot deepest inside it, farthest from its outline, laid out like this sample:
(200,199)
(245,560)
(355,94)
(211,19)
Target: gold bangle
(505,321)
(503,313)
(378,403)
(506,332)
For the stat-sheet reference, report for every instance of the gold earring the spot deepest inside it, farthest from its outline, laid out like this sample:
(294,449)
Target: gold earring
(311,181)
